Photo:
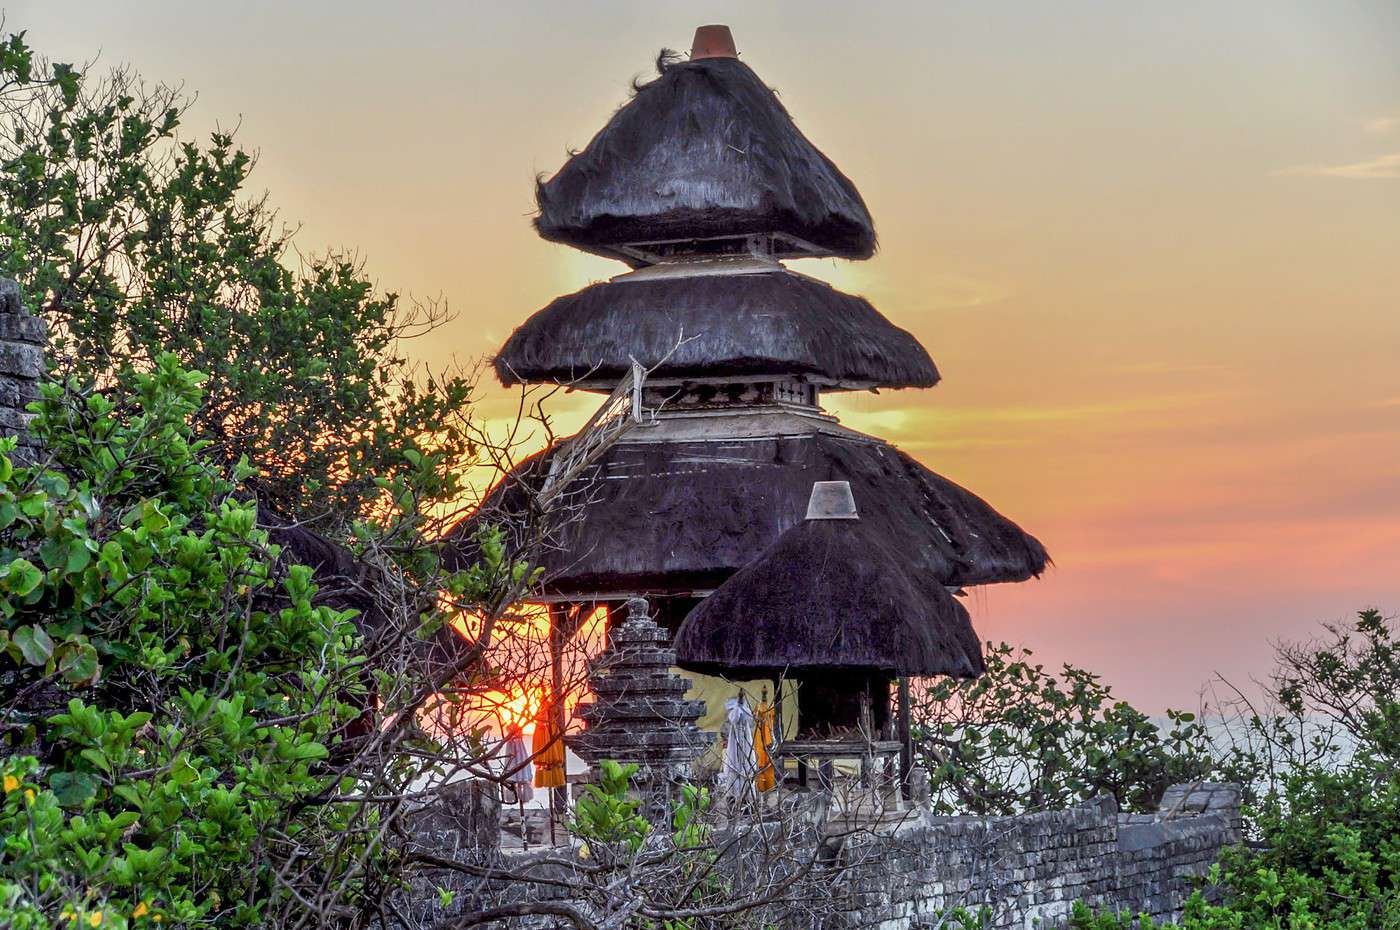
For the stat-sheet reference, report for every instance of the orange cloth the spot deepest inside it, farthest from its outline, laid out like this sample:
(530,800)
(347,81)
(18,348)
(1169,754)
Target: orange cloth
(766,779)
(548,751)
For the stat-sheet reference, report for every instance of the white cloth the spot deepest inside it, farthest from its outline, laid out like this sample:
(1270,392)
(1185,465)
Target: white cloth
(740,763)
(517,758)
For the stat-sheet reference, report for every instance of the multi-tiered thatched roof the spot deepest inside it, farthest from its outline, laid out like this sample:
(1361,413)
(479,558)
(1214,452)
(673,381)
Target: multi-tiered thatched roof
(703,182)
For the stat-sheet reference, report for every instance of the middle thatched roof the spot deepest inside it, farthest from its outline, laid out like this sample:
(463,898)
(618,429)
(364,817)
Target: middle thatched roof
(774,322)
(830,594)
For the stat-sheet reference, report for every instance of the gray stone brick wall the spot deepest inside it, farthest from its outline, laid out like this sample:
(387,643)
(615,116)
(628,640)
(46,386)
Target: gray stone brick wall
(22,341)
(1025,871)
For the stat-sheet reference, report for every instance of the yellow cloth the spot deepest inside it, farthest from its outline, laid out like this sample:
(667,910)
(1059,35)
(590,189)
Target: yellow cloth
(765,780)
(548,751)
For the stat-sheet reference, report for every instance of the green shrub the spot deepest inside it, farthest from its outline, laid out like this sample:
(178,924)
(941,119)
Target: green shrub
(1020,738)
(198,689)
(132,241)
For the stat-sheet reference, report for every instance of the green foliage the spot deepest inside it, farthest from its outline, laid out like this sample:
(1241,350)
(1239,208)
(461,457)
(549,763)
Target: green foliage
(605,815)
(134,242)
(690,830)
(1327,817)
(199,690)
(1019,738)
(618,838)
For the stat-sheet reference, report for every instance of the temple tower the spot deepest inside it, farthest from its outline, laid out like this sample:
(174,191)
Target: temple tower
(703,186)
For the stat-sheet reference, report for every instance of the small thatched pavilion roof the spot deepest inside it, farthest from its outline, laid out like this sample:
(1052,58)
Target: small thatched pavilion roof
(705,150)
(682,516)
(771,322)
(830,594)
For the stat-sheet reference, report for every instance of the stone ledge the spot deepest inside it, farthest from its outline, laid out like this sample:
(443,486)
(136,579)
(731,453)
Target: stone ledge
(21,360)
(16,327)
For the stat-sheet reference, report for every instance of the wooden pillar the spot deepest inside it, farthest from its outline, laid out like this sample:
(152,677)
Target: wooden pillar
(775,752)
(906,741)
(558,635)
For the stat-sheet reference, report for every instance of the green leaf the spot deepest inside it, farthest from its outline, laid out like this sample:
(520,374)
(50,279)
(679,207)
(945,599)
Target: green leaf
(152,520)
(73,788)
(79,664)
(34,644)
(97,758)
(33,504)
(21,577)
(182,772)
(307,752)
(68,80)
(78,557)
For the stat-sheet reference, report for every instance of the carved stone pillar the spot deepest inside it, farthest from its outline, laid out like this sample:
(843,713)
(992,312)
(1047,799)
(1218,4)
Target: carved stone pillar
(640,713)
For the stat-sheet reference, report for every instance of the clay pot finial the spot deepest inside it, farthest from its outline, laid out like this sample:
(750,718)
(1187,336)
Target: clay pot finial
(713,42)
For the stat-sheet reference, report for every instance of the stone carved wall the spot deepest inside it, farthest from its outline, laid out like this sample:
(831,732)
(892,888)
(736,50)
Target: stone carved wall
(22,341)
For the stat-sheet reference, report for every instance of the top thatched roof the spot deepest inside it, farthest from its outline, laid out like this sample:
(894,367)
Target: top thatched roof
(830,594)
(705,150)
(775,322)
(682,516)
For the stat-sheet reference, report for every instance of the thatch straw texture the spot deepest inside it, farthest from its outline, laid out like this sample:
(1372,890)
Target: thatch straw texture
(830,594)
(715,325)
(704,150)
(672,517)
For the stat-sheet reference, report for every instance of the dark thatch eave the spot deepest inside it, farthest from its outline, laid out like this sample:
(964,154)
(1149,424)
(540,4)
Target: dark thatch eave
(705,150)
(675,517)
(830,594)
(776,322)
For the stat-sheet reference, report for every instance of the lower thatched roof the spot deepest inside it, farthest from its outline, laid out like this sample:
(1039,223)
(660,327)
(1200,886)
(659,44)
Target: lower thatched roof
(681,516)
(778,323)
(829,594)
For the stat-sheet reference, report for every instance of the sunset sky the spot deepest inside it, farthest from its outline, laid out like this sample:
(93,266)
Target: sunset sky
(1153,248)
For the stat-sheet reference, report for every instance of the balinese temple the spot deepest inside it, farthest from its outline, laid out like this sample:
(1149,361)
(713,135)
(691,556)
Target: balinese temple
(702,185)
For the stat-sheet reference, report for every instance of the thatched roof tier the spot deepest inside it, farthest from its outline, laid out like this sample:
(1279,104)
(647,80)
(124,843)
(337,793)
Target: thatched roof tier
(682,515)
(830,594)
(776,322)
(705,150)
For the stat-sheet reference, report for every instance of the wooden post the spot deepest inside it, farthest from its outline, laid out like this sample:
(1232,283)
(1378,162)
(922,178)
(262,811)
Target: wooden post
(906,741)
(775,757)
(558,634)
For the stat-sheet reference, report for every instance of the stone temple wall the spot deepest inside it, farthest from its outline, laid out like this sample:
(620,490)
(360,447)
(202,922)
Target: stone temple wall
(1028,870)
(1025,871)
(22,341)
